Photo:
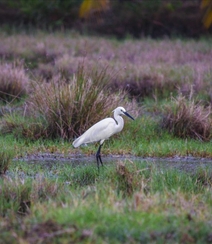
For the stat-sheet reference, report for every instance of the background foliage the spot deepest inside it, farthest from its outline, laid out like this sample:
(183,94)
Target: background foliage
(138,18)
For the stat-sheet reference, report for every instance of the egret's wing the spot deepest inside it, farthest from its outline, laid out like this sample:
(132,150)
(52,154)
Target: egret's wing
(99,131)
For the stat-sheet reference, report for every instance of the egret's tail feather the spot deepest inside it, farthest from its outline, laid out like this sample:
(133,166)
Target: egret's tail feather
(77,142)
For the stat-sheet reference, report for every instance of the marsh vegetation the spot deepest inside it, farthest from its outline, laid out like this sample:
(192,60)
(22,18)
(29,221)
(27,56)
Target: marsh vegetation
(53,87)
(126,202)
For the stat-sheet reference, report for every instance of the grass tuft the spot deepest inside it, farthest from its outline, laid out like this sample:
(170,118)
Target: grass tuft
(65,108)
(5,159)
(125,179)
(13,82)
(128,178)
(68,107)
(44,189)
(84,176)
(187,119)
(15,197)
(204,178)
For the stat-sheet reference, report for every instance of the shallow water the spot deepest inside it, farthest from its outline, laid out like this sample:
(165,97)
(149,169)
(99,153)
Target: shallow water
(187,164)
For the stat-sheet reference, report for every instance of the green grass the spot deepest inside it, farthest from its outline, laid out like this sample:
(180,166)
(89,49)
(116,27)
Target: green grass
(6,155)
(61,203)
(141,137)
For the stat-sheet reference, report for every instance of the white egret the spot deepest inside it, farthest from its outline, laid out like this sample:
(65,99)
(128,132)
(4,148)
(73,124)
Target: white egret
(102,130)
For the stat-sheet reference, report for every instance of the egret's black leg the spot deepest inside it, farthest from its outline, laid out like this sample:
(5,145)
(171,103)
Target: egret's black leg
(98,156)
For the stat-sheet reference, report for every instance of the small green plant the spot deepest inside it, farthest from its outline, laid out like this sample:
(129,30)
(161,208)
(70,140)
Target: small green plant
(188,119)
(44,189)
(203,177)
(5,158)
(15,196)
(83,176)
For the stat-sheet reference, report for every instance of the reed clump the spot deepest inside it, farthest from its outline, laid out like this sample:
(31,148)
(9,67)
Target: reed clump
(13,82)
(65,108)
(186,118)
(68,107)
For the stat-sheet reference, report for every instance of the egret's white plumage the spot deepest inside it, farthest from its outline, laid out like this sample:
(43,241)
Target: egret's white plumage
(102,130)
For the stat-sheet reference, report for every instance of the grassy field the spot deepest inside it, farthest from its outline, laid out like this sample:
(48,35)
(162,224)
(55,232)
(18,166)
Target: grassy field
(55,86)
(124,203)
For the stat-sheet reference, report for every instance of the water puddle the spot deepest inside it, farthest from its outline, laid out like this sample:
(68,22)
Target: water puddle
(187,164)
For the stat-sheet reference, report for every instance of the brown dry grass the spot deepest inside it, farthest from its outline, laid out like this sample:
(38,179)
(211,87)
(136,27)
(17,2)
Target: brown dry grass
(69,106)
(14,82)
(188,119)
(143,67)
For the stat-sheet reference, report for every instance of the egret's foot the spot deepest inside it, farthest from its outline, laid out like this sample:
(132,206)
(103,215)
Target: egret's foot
(99,160)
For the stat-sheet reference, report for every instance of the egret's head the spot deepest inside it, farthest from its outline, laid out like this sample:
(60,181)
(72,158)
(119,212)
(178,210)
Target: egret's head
(122,111)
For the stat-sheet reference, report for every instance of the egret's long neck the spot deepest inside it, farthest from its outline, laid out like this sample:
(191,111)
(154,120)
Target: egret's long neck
(119,122)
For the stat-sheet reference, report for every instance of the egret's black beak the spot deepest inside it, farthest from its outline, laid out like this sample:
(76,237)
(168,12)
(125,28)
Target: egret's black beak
(128,115)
